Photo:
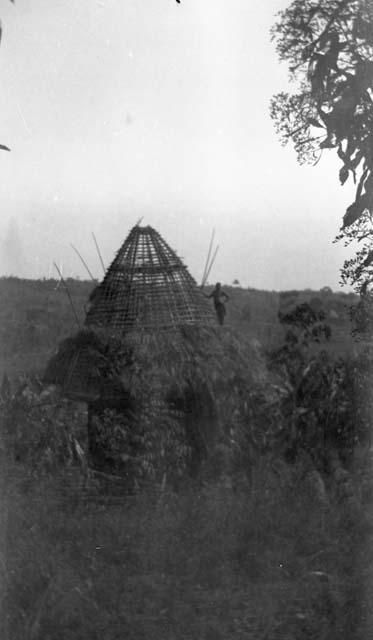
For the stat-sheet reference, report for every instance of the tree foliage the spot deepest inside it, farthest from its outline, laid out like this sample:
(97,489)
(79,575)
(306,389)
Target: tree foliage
(307,324)
(328,46)
(327,406)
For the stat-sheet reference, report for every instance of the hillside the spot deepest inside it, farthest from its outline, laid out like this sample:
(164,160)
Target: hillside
(255,312)
(35,315)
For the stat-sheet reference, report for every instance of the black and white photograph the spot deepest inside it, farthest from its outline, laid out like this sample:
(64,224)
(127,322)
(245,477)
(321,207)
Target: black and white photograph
(186,319)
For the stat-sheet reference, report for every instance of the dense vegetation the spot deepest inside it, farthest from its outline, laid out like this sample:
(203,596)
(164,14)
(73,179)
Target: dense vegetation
(209,562)
(232,552)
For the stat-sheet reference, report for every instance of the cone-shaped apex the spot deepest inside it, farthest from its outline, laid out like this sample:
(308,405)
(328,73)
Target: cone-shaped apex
(147,287)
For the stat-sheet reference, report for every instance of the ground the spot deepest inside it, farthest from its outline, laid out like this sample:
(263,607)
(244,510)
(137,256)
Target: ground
(250,560)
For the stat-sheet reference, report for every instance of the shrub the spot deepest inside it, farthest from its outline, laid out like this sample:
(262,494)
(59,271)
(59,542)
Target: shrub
(321,405)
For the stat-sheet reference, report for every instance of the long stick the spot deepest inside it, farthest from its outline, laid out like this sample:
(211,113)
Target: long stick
(208,257)
(83,261)
(211,263)
(68,293)
(99,253)
(59,282)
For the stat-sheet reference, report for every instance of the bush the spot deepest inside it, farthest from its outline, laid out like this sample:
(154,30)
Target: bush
(320,407)
(40,429)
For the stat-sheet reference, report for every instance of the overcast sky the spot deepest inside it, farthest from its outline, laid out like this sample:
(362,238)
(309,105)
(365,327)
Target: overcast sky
(116,109)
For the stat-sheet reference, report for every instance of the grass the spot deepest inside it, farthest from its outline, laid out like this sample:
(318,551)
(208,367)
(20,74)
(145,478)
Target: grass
(228,558)
(219,560)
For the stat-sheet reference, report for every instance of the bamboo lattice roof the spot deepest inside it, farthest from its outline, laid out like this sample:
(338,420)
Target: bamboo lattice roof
(147,286)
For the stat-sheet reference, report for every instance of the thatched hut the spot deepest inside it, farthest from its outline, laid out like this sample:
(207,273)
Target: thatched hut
(151,362)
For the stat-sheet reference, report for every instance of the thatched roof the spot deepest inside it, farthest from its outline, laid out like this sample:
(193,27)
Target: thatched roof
(147,287)
(150,327)
(94,365)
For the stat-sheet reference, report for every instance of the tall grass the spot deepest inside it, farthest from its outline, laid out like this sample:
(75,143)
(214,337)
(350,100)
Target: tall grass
(250,560)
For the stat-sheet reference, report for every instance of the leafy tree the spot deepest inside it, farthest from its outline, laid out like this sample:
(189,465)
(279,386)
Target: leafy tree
(328,45)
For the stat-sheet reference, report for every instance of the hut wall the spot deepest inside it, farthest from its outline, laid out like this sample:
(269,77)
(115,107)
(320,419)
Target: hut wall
(195,412)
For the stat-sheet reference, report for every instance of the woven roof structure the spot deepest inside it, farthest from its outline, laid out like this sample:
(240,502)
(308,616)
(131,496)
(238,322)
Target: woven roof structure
(146,301)
(148,287)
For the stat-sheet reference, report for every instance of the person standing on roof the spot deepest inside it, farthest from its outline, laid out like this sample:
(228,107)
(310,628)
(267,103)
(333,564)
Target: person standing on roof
(219,297)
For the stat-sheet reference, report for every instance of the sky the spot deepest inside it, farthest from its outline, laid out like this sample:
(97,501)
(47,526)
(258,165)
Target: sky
(116,110)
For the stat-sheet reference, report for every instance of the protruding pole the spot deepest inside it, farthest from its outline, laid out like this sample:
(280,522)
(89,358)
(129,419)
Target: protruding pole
(99,253)
(83,261)
(61,272)
(210,267)
(208,258)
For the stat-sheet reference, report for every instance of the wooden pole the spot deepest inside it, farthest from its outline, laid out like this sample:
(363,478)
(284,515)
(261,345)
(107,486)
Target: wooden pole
(83,261)
(60,271)
(211,263)
(99,253)
(208,258)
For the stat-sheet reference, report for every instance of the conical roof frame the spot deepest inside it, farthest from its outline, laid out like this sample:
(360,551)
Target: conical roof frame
(147,286)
